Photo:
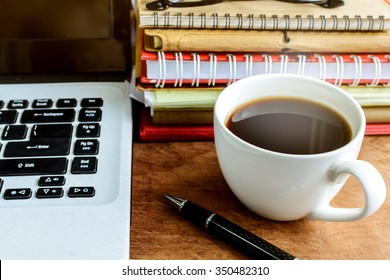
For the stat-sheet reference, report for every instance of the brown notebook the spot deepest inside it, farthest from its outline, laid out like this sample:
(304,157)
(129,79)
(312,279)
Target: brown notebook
(159,39)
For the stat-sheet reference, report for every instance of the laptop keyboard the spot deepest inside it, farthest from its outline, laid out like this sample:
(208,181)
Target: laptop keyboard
(39,149)
(58,147)
(65,171)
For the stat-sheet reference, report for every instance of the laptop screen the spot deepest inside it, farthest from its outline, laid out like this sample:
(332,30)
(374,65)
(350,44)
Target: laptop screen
(56,40)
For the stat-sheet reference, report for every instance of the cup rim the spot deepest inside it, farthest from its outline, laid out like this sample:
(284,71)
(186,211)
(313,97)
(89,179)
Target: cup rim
(356,136)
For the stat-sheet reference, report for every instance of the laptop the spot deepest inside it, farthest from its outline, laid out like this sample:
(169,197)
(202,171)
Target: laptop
(65,129)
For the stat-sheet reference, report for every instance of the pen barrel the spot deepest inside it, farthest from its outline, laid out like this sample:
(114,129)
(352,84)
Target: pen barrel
(195,213)
(253,245)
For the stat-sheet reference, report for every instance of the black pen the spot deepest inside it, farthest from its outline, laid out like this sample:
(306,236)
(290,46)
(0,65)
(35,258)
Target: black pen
(230,232)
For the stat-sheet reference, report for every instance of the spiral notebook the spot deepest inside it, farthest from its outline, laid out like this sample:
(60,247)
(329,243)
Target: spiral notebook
(354,15)
(179,69)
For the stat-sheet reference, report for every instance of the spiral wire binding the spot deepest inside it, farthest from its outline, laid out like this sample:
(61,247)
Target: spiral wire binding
(382,23)
(166,19)
(203,21)
(275,22)
(284,62)
(232,69)
(311,22)
(323,23)
(251,21)
(196,77)
(190,20)
(214,18)
(213,70)
(261,22)
(347,23)
(179,69)
(371,23)
(178,20)
(227,21)
(335,21)
(322,62)
(388,83)
(248,65)
(301,64)
(340,70)
(268,65)
(240,23)
(378,70)
(360,22)
(162,70)
(286,22)
(358,70)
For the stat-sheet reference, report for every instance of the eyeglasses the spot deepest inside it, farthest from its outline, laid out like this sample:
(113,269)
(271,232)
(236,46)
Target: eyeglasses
(160,5)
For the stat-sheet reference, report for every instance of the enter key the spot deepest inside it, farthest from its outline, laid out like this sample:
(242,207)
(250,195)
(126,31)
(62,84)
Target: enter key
(38,147)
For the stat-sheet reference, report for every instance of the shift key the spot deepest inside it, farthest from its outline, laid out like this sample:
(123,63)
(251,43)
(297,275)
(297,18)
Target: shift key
(33,166)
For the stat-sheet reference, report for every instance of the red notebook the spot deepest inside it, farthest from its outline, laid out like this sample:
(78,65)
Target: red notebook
(378,129)
(161,133)
(211,69)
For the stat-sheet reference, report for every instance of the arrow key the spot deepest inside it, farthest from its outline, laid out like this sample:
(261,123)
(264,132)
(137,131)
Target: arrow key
(45,181)
(81,192)
(17,194)
(50,193)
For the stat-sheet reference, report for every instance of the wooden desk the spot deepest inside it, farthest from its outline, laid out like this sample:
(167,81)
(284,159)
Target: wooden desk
(191,170)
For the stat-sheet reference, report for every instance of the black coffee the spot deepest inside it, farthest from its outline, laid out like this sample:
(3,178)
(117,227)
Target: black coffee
(290,125)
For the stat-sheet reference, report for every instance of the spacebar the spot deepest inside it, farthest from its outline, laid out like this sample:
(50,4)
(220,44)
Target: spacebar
(32,166)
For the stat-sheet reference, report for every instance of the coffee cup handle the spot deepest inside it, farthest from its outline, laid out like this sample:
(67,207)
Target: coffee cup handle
(371,182)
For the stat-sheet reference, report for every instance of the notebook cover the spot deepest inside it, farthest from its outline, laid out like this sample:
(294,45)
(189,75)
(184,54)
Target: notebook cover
(162,133)
(158,39)
(378,129)
(354,15)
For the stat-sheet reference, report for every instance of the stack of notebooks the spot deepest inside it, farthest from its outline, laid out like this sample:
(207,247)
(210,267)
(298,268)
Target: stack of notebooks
(187,55)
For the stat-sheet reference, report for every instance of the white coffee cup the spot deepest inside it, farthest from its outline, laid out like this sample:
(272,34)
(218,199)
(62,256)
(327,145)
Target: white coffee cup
(286,187)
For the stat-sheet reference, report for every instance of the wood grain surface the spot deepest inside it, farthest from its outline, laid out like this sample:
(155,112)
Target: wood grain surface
(191,170)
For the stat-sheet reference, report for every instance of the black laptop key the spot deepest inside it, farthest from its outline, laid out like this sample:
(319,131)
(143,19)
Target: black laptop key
(84,165)
(45,181)
(48,115)
(88,130)
(17,104)
(8,116)
(42,103)
(66,103)
(49,193)
(90,115)
(14,132)
(52,131)
(33,166)
(38,147)
(92,102)
(81,191)
(86,147)
(17,194)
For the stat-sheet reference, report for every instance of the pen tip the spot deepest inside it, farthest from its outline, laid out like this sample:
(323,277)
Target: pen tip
(176,201)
